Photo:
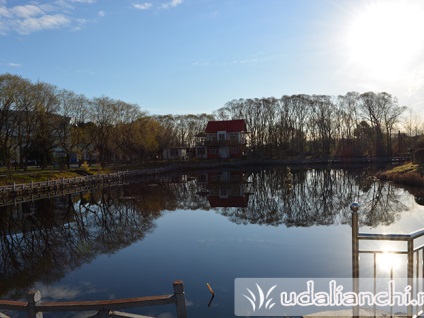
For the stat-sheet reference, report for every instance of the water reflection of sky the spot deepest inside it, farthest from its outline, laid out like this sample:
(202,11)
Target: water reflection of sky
(409,220)
(202,247)
(389,263)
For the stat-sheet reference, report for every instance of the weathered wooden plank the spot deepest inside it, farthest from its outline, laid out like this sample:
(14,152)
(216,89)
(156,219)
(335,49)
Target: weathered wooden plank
(118,314)
(113,304)
(101,308)
(13,305)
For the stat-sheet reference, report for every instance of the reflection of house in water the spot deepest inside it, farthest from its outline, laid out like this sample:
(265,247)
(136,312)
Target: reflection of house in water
(224,188)
(163,179)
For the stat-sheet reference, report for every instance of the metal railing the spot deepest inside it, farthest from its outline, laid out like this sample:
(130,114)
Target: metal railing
(28,192)
(34,307)
(414,270)
(61,183)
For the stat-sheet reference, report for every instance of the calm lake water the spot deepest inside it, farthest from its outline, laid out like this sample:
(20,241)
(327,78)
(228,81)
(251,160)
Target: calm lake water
(204,227)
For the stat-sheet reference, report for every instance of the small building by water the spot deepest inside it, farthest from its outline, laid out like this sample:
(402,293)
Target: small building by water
(222,139)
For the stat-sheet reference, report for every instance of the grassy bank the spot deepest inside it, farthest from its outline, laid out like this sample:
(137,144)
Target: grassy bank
(8,177)
(408,174)
(35,174)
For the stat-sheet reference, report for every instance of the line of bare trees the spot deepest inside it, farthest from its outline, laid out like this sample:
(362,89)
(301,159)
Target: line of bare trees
(354,124)
(37,118)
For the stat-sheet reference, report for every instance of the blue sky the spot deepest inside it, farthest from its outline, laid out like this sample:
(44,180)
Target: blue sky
(193,56)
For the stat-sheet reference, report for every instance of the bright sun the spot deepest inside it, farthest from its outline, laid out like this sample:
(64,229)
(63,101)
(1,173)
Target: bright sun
(386,38)
(388,261)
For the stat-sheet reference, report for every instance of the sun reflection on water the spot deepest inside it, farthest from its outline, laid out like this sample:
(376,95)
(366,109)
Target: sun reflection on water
(388,261)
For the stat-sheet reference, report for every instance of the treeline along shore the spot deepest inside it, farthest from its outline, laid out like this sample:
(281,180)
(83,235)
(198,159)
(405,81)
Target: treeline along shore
(44,125)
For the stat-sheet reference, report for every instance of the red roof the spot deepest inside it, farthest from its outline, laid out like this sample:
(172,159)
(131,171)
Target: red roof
(226,125)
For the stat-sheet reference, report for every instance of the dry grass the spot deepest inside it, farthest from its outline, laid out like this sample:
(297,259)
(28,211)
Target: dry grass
(35,174)
(408,174)
(38,175)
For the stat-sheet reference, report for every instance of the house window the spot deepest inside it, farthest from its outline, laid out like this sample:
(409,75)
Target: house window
(235,150)
(236,191)
(221,136)
(201,151)
(202,178)
(173,152)
(223,193)
(213,151)
(235,178)
(213,192)
(234,136)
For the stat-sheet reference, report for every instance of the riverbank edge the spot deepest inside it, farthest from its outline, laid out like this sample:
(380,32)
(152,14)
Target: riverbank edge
(409,174)
(163,167)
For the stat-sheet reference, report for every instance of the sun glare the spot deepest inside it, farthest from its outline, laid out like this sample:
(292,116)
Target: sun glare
(386,38)
(388,261)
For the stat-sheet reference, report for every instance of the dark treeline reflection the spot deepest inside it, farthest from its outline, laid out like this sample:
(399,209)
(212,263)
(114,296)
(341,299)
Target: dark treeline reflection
(43,240)
(317,197)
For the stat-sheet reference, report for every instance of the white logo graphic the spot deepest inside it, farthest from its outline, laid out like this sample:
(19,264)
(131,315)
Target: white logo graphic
(262,298)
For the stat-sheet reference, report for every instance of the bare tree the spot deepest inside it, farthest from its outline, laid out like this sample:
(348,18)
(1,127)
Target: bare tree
(373,113)
(11,86)
(413,125)
(73,109)
(391,116)
(104,114)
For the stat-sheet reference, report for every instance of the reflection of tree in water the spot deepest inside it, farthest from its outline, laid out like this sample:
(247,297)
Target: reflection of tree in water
(309,200)
(381,205)
(43,240)
(317,197)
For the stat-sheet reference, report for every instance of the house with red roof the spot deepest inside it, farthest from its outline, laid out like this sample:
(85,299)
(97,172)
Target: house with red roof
(222,139)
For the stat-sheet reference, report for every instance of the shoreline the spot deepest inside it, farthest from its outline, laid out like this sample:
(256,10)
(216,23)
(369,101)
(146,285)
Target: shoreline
(26,177)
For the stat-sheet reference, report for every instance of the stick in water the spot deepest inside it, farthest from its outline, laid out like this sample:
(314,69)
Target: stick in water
(213,294)
(210,288)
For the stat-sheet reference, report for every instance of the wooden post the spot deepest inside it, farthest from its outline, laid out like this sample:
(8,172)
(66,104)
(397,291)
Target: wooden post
(103,314)
(180,299)
(33,297)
